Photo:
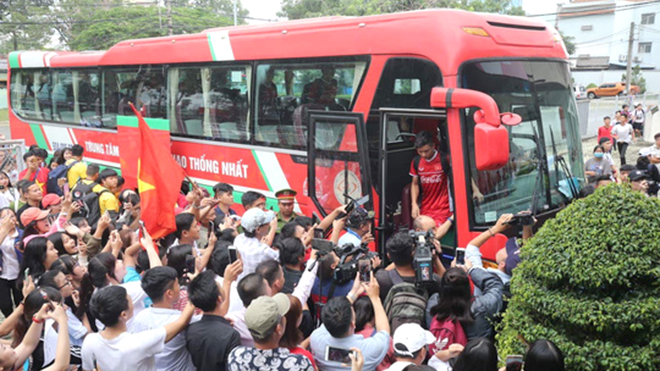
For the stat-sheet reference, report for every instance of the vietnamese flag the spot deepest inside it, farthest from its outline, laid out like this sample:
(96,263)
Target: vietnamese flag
(159,182)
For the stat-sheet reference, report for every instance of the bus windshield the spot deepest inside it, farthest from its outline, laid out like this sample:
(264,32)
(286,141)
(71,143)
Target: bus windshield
(545,169)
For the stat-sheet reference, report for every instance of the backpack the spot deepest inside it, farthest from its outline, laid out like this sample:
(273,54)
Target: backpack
(91,209)
(60,171)
(405,303)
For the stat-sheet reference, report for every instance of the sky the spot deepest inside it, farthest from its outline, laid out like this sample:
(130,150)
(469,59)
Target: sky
(267,9)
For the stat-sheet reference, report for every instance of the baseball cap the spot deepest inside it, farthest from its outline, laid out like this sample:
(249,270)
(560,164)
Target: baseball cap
(50,199)
(410,338)
(512,255)
(359,216)
(637,175)
(31,214)
(265,312)
(645,152)
(254,218)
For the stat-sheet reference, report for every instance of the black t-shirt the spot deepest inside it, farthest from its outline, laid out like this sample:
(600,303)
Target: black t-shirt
(209,341)
(385,282)
(291,278)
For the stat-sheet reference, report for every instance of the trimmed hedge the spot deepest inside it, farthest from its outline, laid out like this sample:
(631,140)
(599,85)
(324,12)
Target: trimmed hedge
(590,282)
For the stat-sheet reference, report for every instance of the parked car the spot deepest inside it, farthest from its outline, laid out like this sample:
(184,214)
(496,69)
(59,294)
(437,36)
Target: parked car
(580,91)
(610,89)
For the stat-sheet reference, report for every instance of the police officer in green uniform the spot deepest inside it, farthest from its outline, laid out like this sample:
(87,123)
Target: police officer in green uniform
(285,201)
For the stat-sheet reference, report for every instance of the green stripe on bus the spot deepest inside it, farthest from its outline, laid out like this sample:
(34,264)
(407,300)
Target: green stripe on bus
(261,168)
(155,124)
(208,37)
(39,136)
(13,60)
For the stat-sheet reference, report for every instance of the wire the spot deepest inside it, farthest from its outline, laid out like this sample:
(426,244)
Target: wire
(609,7)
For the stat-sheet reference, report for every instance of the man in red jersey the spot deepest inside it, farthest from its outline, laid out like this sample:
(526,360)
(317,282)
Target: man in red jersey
(430,172)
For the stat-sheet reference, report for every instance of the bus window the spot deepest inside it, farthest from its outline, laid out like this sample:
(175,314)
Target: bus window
(144,86)
(210,102)
(545,147)
(286,92)
(30,94)
(75,97)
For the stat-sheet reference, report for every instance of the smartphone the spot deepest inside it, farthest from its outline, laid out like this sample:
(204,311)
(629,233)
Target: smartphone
(340,355)
(232,254)
(26,274)
(364,267)
(514,363)
(319,233)
(460,256)
(190,263)
(211,228)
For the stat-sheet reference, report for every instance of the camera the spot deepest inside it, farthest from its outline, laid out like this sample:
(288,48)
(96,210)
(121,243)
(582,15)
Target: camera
(423,258)
(522,220)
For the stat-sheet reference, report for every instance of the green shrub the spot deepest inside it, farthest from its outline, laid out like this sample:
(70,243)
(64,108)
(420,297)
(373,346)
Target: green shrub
(592,85)
(590,282)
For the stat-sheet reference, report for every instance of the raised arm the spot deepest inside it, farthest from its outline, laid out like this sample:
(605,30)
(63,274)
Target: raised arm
(373,291)
(174,328)
(62,353)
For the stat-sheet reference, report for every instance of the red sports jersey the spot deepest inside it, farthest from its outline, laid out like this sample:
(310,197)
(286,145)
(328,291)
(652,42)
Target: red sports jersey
(434,189)
(40,177)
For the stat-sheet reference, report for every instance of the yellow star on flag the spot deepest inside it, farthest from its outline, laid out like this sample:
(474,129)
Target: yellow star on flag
(142,185)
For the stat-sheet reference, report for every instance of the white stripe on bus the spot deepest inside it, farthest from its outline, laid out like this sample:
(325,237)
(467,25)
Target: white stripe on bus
(221,46)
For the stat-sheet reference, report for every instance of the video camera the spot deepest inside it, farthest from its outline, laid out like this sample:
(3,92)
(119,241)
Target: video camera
(423,258)
(347,268)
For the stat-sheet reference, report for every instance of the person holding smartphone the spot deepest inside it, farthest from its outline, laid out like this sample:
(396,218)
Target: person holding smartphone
(265,318)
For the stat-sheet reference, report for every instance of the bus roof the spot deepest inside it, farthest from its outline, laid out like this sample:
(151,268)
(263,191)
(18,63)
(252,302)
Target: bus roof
(445,36)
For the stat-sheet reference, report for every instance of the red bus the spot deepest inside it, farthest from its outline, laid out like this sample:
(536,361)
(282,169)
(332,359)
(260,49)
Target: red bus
(328,107)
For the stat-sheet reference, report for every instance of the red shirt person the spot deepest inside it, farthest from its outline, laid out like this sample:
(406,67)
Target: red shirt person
(429,180)
(605,131)
(34,172)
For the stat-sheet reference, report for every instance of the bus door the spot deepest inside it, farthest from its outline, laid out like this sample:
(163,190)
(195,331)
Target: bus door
(398,132)
(337,158)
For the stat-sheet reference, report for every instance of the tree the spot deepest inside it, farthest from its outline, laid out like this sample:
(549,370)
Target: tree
(109,26)
(296,9)
(22,24)
(636,78)
(589,287)
(569,43)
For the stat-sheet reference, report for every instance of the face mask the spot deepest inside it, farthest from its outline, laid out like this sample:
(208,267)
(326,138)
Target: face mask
(598,155)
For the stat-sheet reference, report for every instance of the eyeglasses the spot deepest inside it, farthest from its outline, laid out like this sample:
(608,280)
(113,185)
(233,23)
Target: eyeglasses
(66,283)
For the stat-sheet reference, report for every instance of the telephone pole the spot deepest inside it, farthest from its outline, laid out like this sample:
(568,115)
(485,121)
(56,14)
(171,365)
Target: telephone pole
(235,18)
(168,4)
(631,38)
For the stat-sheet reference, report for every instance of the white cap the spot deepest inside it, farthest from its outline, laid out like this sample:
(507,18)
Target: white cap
(410,338)
(645,152)
(255,218)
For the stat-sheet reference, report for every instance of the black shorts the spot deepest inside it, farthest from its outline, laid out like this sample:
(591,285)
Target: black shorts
(638,125)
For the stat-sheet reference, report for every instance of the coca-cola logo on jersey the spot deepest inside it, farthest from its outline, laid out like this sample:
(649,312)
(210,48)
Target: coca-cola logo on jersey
(431,179)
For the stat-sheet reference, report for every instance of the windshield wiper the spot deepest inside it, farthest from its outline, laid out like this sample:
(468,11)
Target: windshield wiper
(566,170)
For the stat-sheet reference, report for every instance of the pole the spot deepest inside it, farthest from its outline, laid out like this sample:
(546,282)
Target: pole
(235,21)
(631,38)
(168,4)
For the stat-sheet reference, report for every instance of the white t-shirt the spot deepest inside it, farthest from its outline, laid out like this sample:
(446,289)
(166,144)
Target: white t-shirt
(10,266)
(175,356)
(134,290)
(252,253)
(623,132)
(126,352)
(235,302)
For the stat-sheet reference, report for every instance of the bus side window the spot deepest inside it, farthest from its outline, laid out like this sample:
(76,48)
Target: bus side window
(210,102)
(286,92)
(143,86)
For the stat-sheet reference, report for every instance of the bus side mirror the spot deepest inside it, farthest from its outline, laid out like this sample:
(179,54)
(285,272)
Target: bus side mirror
(491,139)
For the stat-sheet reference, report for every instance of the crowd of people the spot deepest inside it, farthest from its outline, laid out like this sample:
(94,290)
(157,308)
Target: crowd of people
(84,287)
(644,175)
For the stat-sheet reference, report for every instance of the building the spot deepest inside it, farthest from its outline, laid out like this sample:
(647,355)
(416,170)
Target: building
(601,30)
